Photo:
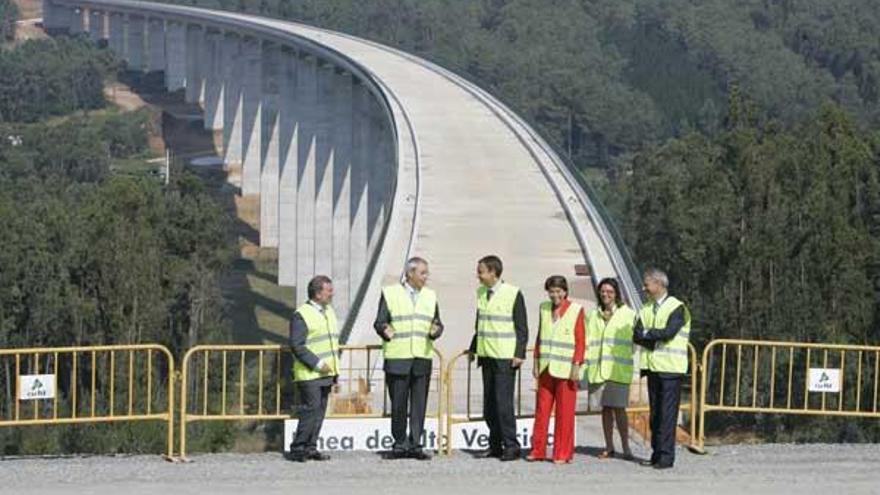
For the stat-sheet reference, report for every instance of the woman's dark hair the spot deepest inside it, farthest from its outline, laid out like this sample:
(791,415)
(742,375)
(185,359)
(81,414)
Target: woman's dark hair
(556,282)
(613,283)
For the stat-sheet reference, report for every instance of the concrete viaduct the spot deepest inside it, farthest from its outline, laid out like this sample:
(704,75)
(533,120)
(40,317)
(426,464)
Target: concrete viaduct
(362,156)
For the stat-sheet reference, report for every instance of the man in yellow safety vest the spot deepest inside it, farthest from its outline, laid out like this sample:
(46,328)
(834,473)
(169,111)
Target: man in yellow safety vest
(408,321)
(499,343)
(663,330)
(314,340)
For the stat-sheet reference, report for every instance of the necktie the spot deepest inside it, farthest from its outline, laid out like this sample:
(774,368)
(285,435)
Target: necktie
(489,294)
(656,307)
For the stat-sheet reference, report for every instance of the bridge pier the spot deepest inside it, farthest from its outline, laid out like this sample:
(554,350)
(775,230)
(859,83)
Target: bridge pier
(289,134)
(273,80)
(135,49)
(175,56)
(76,21)
(361,144)
(195,37)
(306,193)
(342,152)
(97,28)
(323,169)
(157,45)
(231,65)
(214,85)
(251,114)
(116,33)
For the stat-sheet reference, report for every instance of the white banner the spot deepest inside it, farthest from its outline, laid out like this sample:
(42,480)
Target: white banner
(824,380)
(374,434)
(34,387)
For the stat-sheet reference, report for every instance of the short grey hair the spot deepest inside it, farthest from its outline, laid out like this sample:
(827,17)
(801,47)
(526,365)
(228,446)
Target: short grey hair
(657,275)
(414,262)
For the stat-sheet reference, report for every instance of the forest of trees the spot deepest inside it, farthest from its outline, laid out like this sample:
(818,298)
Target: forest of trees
(93,254)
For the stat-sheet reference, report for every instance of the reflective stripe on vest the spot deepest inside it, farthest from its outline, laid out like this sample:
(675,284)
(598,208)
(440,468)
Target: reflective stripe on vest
(496,335)
(610,347)
(557,340)
(322,340)
(671,356)
(411,323)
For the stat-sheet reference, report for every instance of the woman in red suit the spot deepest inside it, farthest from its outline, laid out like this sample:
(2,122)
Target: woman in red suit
(559,353)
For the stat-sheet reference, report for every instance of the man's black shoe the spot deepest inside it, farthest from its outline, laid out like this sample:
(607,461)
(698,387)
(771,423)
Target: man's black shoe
(296,456)
(510,455)
(490,454)
(420,455)
(396,454)
(662,466)
(647,463)
(317,456)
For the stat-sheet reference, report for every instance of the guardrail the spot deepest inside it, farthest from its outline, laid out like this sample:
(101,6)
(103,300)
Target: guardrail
(752,376)
(253,383)
(89,384)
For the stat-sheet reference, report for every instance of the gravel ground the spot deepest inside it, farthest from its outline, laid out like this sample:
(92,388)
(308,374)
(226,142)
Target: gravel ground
(801,469)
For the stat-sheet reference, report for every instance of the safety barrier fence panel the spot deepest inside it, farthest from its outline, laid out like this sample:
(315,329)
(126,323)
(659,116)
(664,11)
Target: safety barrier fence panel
(89,384)
(254,383)
(464,393)
(753,376)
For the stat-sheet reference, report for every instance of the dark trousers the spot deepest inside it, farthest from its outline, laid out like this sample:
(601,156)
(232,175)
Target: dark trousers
(498,384)
(409,398)
(313,396)
(664,395)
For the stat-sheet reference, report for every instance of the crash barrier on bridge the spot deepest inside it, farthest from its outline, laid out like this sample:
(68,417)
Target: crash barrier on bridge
(752,376)
(464,383)
(90,384)
(254,383)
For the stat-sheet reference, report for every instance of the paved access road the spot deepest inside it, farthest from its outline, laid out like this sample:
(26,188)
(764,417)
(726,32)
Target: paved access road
(754,469)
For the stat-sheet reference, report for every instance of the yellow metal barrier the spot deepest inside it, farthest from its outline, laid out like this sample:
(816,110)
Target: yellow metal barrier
(753,376)
(259,377)
(525,408)
(97,384)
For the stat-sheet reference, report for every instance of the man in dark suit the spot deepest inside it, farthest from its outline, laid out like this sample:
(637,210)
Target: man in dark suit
(499,343)
(663,330)
(408,321)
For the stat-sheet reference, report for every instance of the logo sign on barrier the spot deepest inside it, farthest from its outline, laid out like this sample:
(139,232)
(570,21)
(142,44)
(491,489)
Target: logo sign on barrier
(824,380)
(374,434)
(34,387)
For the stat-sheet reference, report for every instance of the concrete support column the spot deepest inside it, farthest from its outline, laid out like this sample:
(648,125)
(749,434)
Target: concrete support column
(175,56)
(116,33)
(273,86)
(54,18)
(135,43)
(77,23)
(342,158)
(232,65)
(291,111)
(324,160)
(251,114)
(97,29)
(194,38)
(157,45)
(361,149)
(214,92)
(307,116)
(380,166)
